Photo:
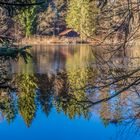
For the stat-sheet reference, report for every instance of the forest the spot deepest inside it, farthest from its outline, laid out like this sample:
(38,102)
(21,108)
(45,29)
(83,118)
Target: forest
(70,66)
(94,20)
(45,19)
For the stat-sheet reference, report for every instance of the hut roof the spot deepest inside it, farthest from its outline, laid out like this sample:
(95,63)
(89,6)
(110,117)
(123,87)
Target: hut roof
(66,32)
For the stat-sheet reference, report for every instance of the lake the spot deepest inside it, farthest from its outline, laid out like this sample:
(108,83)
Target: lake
(55,95)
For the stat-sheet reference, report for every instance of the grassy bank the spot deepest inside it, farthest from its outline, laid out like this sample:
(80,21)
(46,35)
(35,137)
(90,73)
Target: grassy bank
(46,40)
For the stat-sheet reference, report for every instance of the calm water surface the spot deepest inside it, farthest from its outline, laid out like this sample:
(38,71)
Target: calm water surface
(42,108)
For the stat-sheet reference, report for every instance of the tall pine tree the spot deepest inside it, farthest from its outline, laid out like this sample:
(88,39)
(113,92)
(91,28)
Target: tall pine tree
(51,21)
(81,16)
(27,19)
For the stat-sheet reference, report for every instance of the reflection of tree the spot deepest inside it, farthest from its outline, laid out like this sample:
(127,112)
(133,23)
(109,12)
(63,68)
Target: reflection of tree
(53,90)
(7,100)
(109,73)
(26,98)
(78,88)
(66,100)
(77,79)
(45,94)
(71,107)
(8,108)
(117,115)
(77,74)
(61,85)
(105,113)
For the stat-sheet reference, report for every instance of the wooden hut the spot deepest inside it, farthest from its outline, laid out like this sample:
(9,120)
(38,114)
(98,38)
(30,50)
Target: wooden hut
(69,33)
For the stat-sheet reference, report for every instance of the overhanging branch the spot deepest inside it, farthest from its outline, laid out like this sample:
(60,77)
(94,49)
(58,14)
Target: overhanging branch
(21,4)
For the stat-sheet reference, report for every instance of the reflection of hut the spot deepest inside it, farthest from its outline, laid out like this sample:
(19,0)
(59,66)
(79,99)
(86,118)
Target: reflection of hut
(69,33)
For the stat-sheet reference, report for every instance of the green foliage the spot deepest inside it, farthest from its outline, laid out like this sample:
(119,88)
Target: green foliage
(81,17)
(78,73)
(45,85)
(68,98)
(49,18)
(46,21)
(51,21)
(26,100)
(71,107)
(8,108)
(77,79)
(27,19)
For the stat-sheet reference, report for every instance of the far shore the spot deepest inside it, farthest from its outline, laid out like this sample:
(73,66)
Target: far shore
(53,40)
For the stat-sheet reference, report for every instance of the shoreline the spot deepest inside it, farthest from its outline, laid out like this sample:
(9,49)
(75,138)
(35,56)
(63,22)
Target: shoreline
(47,40)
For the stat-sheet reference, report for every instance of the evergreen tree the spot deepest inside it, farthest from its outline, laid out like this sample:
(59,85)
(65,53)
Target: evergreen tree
(81,17)
(52,20)
(27,19)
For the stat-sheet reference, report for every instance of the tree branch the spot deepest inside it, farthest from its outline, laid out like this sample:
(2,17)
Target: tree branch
(21,4)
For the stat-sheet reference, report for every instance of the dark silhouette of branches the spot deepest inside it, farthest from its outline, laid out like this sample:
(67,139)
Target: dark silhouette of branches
(21,4)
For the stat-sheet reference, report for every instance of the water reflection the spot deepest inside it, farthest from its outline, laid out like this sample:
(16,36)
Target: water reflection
(72,79)
(55,58)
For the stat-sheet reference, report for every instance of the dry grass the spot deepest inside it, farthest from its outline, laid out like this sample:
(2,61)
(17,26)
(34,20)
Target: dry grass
(47,40)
